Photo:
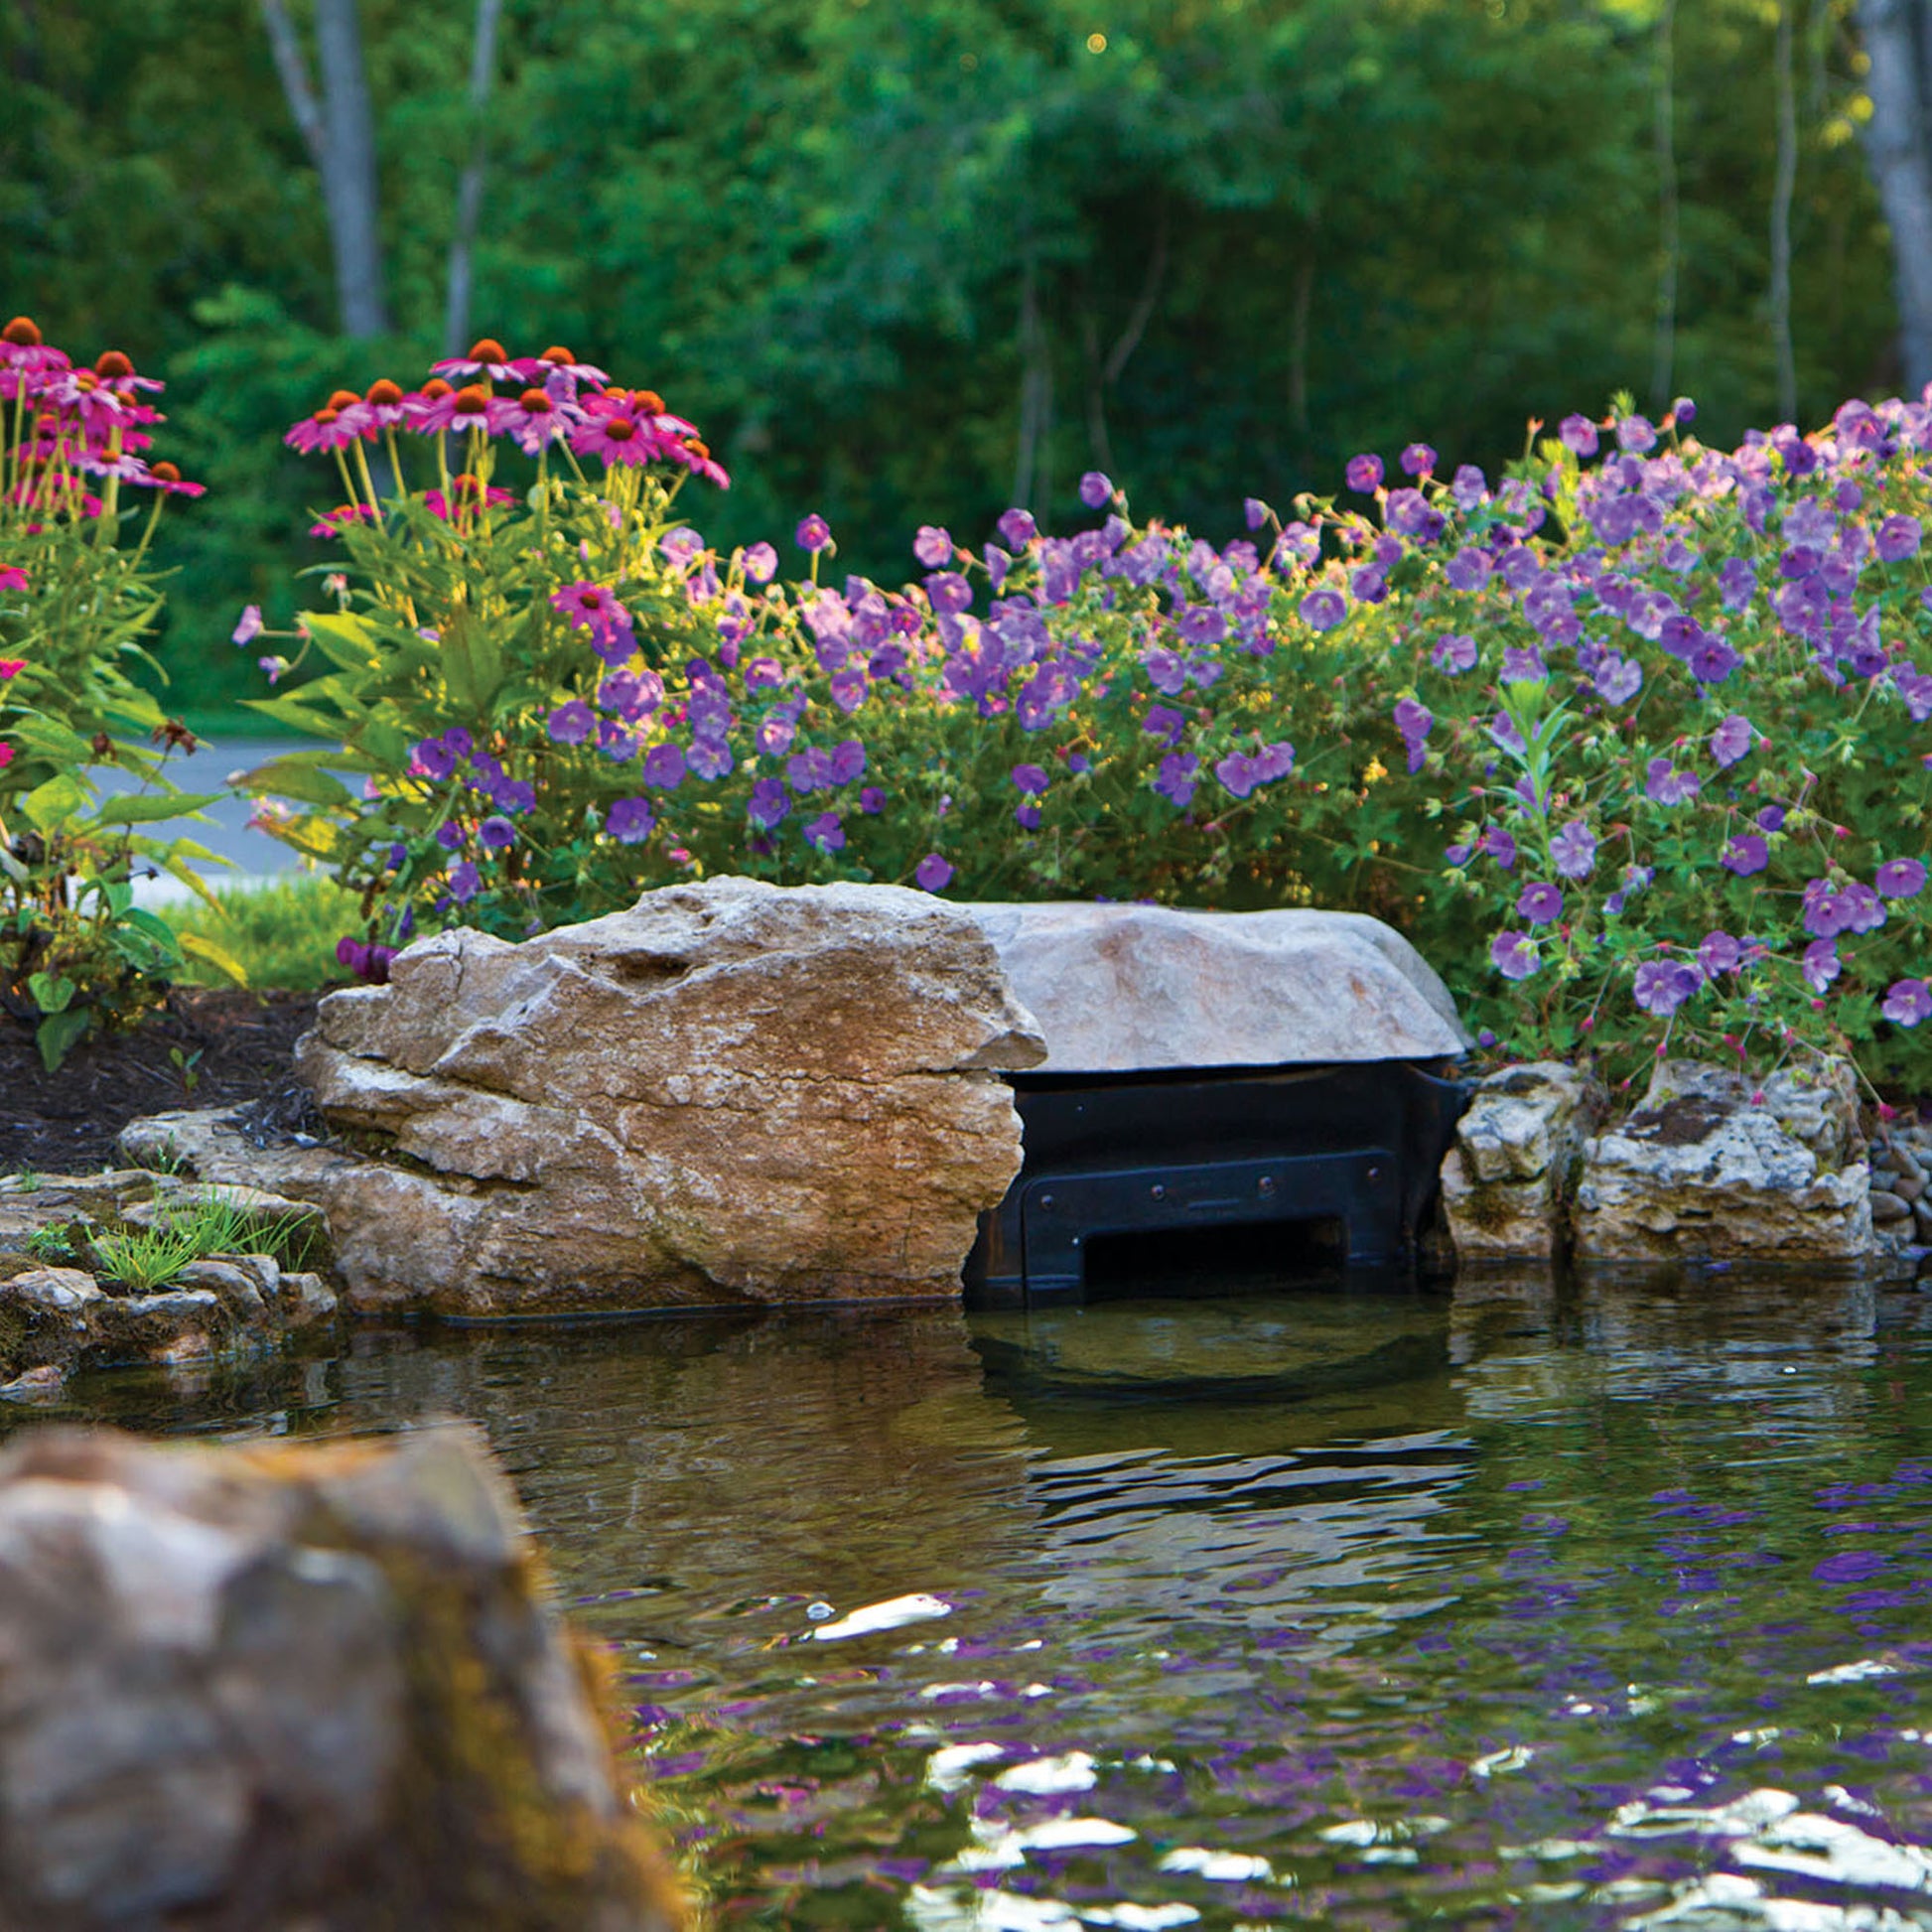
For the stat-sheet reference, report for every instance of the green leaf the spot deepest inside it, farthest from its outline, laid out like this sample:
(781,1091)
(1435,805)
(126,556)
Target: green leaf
(142,808)
(299,776)
(60,1032)
(299,715)
(51,805)
(52,992)
(220,957)
(472,661)
(345,639)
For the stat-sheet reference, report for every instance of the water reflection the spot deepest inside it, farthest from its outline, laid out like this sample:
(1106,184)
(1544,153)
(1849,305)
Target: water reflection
(1354,1606)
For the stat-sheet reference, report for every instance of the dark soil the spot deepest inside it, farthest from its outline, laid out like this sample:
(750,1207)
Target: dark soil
(66,1122)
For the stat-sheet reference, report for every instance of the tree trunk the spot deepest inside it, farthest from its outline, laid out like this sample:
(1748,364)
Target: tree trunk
(1898,150)
(1784,183)
(1036,387)
(468,195)
(1664,142)
(339,131)
(349,178)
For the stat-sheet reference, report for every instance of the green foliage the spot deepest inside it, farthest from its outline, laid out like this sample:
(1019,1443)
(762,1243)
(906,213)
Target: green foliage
(143,1259)
(1279,228)
(283,935)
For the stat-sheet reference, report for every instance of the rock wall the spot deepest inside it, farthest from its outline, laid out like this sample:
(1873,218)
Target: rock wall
(317,1688)
(1508,1180)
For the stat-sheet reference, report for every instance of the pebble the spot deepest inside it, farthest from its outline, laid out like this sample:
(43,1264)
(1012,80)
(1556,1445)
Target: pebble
(1923,1211)
(1909,1186)
(1888,1207)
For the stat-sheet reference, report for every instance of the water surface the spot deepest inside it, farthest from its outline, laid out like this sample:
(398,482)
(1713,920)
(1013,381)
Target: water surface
(1316,1606)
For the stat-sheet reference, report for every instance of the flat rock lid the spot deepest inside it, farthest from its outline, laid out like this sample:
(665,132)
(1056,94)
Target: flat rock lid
(1127,989)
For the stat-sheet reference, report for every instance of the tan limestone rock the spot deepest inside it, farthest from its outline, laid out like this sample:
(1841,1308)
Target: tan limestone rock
(297,1687)
(731,1092)
(1508,1180)
(1713,1168)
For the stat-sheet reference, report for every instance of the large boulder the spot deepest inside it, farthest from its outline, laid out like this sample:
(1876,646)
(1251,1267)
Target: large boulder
(731,1092)
(1508,1180)
(315,1687)
(1714,1167)
(1122,988)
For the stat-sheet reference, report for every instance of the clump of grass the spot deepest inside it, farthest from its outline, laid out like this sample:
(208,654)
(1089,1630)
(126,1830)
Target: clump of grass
(144,1259)
(283,935)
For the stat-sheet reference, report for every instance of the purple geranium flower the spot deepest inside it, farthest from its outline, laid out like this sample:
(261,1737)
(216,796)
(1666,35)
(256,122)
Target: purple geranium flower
(1635,434)
(1745,854)
(664,768)
(770,804)
(1900,878)
(496,832)
(1663,985)
(1731,740)
(431,758)
(1665,785)
(1453,653)
(1016,528)
(1414,721)
(1030,778)
(1899,537)
(1578,435)
(1908,1003)
(825,832)
(570,723)
(1821,964)
(464,882)
(1165,723)
(933,872)
(1323,608)
(1499,845)
(933,546)
(1618,680)
(1095,488)
(1419,460)
(1513,954)
(630,820)
(760,563)
(1364,472)
(813,534)
(1573,848)
(1255,512)
(1176,778)
(1540,904)
(1718,952)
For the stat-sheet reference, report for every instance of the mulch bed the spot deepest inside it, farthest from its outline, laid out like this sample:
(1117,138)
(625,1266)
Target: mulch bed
(65,1122)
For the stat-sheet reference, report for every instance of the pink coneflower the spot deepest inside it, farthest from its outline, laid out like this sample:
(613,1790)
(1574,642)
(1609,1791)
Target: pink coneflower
(695,455)
(618,437)
(11,668)
(114,368)
(12,578)
(122,465)
(166,477)
(326,429)
(540,368)
(487,358)
(536,417)
(468,493)
(385,406)
(472,407)
(424,401)
(591,607)
(331,525)
(22,347)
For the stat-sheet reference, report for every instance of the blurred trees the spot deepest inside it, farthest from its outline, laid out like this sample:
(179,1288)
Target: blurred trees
(905,260)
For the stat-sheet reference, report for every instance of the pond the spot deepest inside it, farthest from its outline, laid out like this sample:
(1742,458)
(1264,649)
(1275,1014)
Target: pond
(1354,1608)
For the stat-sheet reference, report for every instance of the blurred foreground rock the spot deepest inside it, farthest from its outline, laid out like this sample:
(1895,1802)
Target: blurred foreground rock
(317,1688)
(731,1092)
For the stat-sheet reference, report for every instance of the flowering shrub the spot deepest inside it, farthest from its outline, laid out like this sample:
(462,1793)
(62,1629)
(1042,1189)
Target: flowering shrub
(74,605)
(1629,741)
